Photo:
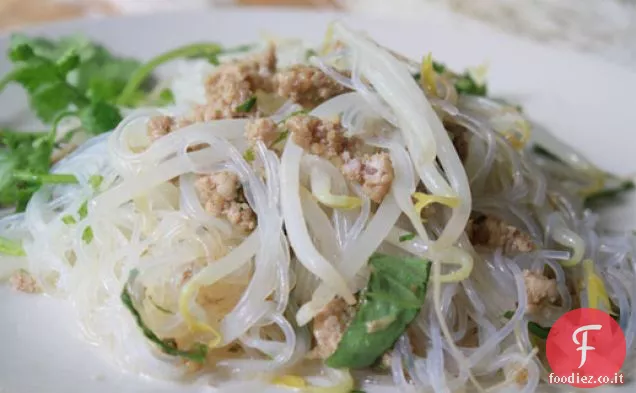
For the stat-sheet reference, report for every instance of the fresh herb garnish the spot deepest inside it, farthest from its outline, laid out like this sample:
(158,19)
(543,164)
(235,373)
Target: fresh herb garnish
(83,210)
(440,68)
(393,297)
(25,160)
(141,74)
(533,327)
(166,97)
(247,105)
(46,75)
(608,193)
(11,247)
(168,346)
(465,84)
(543,152)
(406,237)
(73,77)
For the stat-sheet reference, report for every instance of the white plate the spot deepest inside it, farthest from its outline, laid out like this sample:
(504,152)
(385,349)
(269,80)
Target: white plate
(587,102)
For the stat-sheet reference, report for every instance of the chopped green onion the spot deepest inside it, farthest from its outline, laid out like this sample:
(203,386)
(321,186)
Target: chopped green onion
(406,237)
(95,181)
(87,235)
(69,220)
(247,105)
(533,327)
(83,210)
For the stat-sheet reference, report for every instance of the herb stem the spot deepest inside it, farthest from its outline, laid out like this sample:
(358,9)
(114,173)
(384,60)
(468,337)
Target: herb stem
(8,78)
(56,123)
(140,75)
(50,178)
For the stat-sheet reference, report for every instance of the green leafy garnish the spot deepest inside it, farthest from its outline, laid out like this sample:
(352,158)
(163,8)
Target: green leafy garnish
(440,68)
(465,84)
(543,152)
(247,105)
(98,117)
(25,160)
(406,237)
(533,327)
(141,74)
(11,247)
(69,73)
(96,72)
(608,193)
(166,97)
(393,297)
(197,354)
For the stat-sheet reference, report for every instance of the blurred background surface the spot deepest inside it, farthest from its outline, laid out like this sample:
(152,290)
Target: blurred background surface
(605,28)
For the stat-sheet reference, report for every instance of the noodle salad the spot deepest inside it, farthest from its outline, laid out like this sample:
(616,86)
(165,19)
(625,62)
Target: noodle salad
(321,219)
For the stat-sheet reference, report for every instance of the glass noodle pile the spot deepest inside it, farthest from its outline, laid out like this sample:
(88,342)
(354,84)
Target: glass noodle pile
(173,291)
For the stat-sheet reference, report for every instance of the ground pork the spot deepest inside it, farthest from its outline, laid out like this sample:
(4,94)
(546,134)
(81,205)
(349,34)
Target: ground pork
(306,85)
(374,172)
(539,289)
(493,233)
(233,84)
(159,126)
(317,136)
(22,281)
(221,196)
(329,326)
(264,130)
